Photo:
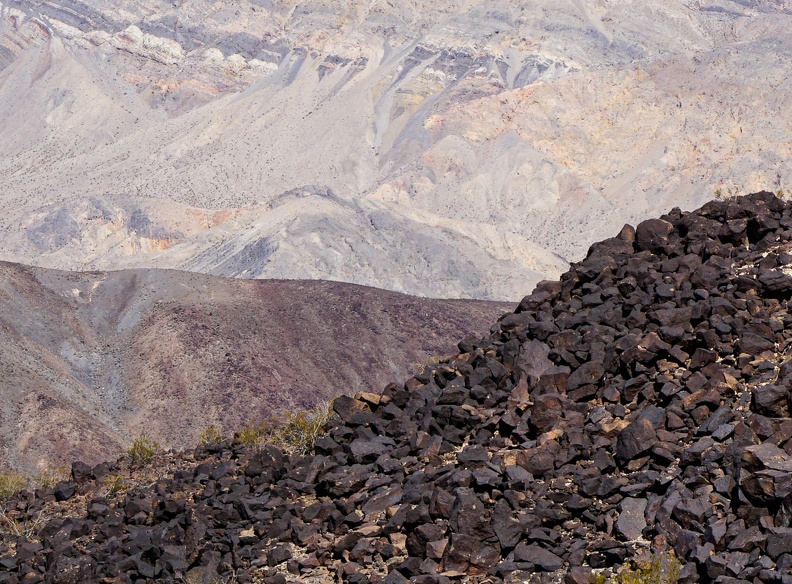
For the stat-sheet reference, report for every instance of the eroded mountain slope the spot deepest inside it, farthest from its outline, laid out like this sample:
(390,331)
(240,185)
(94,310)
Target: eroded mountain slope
(628,423)
(90,360)
(276,139)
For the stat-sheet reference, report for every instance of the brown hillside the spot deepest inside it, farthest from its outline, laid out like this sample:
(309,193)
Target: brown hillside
(89,361)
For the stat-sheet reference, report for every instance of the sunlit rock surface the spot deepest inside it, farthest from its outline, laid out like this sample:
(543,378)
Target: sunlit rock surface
(437,148)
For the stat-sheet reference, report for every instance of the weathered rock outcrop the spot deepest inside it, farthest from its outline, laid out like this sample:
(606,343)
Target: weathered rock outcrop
(641,402)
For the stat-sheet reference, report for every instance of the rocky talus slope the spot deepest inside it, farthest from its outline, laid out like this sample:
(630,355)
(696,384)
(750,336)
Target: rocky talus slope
(642,403)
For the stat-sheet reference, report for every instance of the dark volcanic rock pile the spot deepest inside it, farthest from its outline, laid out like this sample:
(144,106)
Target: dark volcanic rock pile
(641,403)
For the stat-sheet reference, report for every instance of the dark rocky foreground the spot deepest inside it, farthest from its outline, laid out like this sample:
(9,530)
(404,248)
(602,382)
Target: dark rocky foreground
(641,403)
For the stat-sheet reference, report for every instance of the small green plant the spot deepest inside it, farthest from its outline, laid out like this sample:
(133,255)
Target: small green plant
(10,484)
(780,194)
(142,451)
(210,435)
(255,434)
(115,485)
(51,477)
(659,568)
(729,195)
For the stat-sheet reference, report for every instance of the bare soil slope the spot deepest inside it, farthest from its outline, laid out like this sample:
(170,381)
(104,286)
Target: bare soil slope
(90,360)
(446,149)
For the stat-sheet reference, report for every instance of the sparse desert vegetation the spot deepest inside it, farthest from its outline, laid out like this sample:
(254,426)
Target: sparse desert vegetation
(141,451)
(295,433)
(629,421)
(210,435)
(656,568)
(11,483)
(580,434)
(202,334)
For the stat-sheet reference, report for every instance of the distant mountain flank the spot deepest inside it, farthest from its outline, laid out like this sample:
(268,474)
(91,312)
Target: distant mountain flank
(89,361)
(434,148)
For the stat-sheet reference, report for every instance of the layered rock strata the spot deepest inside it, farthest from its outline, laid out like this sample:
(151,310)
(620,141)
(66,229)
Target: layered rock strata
(408,145)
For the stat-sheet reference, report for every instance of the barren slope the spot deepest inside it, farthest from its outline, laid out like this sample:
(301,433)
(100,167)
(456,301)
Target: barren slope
(88,361)
(437,148)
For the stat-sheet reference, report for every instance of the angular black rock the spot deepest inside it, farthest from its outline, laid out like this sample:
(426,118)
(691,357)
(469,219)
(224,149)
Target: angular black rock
(641,403)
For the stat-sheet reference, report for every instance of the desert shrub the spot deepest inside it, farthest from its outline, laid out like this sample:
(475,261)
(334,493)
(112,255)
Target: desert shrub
(115,485)
(301,431)
(255,434)
(730,194)
(295,434)
(659,568)
(51,477)
(210,435)
(10,484)
(142,451)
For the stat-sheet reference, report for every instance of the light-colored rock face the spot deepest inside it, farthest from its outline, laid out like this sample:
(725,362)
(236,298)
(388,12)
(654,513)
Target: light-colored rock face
(444,149)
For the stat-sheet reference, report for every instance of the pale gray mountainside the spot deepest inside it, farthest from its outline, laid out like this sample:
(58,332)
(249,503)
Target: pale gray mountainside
(439,148)
(89,361)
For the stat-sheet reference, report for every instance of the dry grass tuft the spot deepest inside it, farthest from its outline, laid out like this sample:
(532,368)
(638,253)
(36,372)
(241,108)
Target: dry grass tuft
(296,434)
(10,484)
(659,568)
(51,477)
(210,436)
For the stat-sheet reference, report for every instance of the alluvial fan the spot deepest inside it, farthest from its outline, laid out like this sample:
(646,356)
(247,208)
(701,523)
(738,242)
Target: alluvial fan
(640,407)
